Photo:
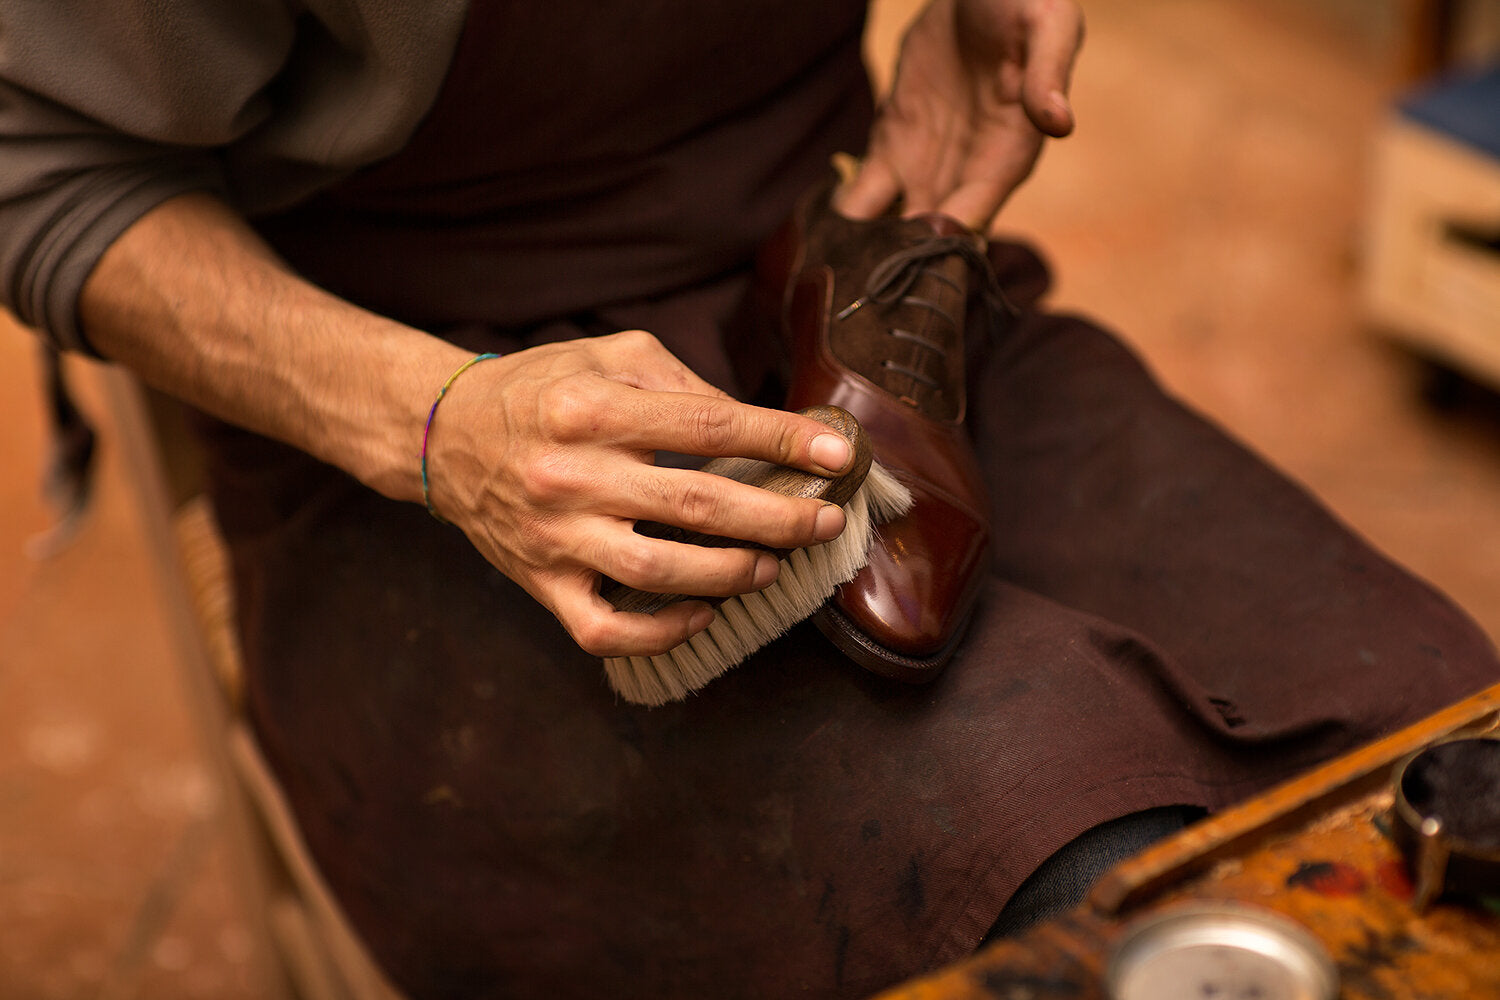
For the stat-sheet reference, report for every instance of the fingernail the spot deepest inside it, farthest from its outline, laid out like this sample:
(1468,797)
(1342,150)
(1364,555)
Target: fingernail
(829,523)
(831,451)
(701,619)
(1060,108)
(767,569)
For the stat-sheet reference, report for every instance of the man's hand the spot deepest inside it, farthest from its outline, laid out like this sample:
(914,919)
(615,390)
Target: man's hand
(978,84)
(545,458)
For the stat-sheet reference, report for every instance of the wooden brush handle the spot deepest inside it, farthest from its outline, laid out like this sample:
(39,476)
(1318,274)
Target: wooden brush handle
(768,476)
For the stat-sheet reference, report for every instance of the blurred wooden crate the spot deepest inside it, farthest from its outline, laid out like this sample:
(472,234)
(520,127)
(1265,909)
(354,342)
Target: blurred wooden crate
(1432,268)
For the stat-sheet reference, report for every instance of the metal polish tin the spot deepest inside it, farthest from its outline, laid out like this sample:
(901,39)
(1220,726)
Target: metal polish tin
(1446,818)
(1220,950)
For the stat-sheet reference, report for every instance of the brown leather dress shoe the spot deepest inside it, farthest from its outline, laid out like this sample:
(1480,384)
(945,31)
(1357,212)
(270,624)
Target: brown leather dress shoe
(875,317)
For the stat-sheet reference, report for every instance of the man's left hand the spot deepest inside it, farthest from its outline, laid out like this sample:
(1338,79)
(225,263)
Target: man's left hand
(978,85)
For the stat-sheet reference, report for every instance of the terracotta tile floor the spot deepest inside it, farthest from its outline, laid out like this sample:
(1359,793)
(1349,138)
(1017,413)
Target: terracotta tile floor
(1209,208)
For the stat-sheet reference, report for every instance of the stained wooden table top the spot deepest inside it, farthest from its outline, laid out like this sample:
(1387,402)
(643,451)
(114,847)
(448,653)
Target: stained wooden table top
(1316,852)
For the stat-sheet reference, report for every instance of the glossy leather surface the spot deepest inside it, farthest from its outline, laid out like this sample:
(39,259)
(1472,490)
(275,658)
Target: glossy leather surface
(905,612)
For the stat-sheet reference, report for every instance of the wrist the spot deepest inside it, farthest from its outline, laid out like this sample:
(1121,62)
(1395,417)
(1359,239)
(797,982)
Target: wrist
(387,436)
(432,414)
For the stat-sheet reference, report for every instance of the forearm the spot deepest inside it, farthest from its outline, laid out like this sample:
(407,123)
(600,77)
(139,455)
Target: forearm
(199,307)
(544,458)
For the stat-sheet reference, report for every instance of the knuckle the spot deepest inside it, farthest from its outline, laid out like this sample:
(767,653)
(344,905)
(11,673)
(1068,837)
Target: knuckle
(637,338)
(548,480)
(711,427)
(592,634)
(571,408)
(633,343)
(789,443)
(637,563)
(698,504)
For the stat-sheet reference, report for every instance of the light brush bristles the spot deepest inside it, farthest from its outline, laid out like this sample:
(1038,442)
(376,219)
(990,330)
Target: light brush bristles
(744,624)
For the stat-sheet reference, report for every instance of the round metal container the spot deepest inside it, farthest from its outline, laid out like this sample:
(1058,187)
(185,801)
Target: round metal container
(1446,817)
(1223,951)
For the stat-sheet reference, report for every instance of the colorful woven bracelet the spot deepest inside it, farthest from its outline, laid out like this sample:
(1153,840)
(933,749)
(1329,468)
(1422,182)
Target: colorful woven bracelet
(426,430)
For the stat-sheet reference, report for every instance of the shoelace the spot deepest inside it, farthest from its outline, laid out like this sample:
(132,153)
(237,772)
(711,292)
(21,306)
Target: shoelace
(892,278)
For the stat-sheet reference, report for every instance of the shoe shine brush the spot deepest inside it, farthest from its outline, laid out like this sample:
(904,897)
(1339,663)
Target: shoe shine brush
(869,495)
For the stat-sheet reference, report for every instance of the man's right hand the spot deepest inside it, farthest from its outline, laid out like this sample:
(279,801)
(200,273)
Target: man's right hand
(545,458)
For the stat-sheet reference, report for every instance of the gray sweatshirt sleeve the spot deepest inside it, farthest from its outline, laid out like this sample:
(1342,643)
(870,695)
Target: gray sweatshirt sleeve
(108,110)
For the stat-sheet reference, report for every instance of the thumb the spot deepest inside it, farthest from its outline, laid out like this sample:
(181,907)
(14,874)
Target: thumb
(1052,50)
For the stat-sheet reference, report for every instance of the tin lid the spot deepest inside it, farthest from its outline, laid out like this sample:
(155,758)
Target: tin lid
(1223,951)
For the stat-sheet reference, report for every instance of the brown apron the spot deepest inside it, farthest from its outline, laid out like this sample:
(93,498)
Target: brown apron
(1167,619)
